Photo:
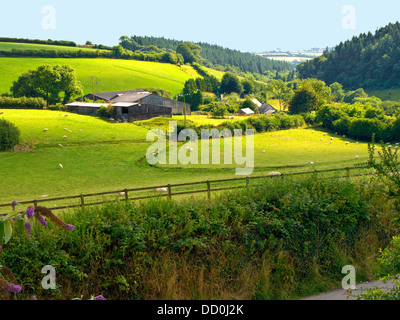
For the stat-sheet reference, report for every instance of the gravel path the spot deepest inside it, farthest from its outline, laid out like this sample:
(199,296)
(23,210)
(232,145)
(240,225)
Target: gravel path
(341,294)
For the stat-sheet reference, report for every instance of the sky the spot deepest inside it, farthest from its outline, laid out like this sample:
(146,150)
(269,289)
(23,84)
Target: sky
(248,26)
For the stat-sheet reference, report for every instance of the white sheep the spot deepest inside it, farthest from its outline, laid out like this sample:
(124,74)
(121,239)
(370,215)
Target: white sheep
(271,174)
(60,166)
(60,145)
(264,151)
(66,115)
(45,130)
(162,190)
(64,137)
(357,157)
(311,163)
(2,112)
(322,139)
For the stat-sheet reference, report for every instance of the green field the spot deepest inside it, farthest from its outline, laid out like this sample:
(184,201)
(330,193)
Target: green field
(386,94)
(9,46)
(106,156)
(112,74)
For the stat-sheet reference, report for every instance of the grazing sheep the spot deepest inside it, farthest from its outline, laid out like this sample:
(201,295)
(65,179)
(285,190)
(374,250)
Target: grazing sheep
(80,130)
(344,136)
(60,166)
(357,157)
(60,145)
(313,131)
(264,151)
(322,139)
(331,138)
(122,194)
(162,190)
(324,134)
(66,115)
(330,142)
(64,137)
(45,130)
(2,112)
(311,163)
(347,143)
(271,174)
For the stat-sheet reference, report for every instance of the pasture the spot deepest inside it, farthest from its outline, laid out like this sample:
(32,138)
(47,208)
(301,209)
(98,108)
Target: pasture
(100,156)
(112,74)
(9,46)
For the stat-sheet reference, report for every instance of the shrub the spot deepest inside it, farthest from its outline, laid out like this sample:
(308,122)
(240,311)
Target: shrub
(9,135)
(22,103)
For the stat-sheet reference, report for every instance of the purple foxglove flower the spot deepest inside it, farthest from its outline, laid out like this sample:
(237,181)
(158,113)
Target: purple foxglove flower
(1,248)
(69,227)
(13,288)
(28,228)
(100,298)
(42,220)
(29,212)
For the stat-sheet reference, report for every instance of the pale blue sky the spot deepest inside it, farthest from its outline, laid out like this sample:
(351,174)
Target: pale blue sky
(251,25)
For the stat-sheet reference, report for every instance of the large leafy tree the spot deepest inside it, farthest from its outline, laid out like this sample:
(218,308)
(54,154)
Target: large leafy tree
(53,83)
(231,83)
(279,90)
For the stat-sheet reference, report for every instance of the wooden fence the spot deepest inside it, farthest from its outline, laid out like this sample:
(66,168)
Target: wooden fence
(125,194)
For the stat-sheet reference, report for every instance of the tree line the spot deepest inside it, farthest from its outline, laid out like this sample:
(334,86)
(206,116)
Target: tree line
(367,61)
(211,55)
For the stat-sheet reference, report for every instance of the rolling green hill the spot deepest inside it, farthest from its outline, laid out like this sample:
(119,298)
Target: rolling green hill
(99,156)
(112,74)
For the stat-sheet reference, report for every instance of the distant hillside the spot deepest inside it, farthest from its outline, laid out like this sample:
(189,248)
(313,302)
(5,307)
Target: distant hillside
(111,74)
(370,61)
(214,54)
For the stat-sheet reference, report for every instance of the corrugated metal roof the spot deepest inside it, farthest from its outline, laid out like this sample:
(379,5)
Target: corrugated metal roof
(247,111)
(86,104)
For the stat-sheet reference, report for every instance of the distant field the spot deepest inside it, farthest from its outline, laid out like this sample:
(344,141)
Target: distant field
(112,74)
(106,156)
(387,94)
(8,46)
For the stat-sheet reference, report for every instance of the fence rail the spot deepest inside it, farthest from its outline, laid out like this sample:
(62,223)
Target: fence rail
(125,193)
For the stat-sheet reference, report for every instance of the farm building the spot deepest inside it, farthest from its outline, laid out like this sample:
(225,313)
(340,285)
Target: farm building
(267,109)
(246,112)
(130,105)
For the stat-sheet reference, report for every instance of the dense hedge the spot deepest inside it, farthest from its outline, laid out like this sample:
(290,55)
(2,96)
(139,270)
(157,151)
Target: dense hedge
(359,121)
(9,135)
(264,243)
(22,103)
(49,42)
(260,124)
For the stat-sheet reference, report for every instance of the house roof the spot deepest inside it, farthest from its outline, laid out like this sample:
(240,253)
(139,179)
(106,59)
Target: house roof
(122,96)
(257,103)
(267,109)
(86,104)
(247,111)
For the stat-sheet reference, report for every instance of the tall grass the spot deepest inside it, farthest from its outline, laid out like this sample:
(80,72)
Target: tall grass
(275,240)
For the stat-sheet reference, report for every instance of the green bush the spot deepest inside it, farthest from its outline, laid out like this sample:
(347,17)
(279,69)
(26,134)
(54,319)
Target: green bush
(22,103)
(299,228)
(9,135)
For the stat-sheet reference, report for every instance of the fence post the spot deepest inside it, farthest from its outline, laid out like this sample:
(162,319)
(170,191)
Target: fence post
(35,203)
(169,192)
(348,173)
(208,189)
(82,200)
(247,182)
(126,195)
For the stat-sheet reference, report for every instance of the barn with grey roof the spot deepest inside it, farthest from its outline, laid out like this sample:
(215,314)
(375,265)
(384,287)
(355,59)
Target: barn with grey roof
(130,105)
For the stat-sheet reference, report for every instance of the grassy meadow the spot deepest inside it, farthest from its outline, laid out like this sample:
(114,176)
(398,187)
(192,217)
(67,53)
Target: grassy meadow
(112,74)
(100,156)
(9,46)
